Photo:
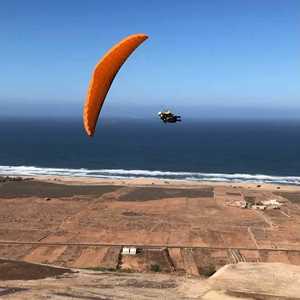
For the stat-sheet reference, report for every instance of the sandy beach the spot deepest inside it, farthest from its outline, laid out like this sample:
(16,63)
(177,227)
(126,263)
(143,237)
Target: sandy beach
(164,183)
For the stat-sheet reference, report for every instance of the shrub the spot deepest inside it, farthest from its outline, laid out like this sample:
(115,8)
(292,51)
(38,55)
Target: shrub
(155,268)
(208,270)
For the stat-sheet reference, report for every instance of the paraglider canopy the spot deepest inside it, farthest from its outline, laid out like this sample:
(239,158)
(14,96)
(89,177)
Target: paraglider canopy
(103,76)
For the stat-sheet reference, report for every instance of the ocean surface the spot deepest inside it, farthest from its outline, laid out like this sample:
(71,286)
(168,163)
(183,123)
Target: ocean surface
(254,151)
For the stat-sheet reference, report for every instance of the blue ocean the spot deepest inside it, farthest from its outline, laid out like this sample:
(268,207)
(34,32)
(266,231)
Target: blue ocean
(253,151)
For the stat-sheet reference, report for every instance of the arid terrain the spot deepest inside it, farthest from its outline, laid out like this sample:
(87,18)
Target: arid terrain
(242,281)
(179,229)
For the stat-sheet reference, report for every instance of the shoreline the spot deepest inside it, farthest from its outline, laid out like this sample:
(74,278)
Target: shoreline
(132,175)
(161,183)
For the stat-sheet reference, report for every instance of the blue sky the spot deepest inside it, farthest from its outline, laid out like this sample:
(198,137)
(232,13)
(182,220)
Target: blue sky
(207,58)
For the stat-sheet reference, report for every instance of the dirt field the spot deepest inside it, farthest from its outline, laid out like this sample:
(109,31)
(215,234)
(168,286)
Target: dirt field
(188,228)
(242,281)
(17,270)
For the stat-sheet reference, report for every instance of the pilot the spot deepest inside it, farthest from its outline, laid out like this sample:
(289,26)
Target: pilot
(168,117)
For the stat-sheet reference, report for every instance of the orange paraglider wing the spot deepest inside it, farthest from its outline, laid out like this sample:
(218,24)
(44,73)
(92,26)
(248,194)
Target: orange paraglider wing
(103,76)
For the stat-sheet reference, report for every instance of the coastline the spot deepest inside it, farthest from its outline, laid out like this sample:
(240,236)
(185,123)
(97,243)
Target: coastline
(162,183)
(193,178)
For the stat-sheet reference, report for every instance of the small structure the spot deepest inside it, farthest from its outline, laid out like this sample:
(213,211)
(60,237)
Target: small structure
(252,201)
(272,204)
(258,206)
(129,251)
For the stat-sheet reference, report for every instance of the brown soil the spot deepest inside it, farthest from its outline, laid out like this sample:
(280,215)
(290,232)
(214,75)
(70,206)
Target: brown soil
(95,285)
(22,189)
(14,270)
(244,281)
(81,228)
(8,291)
(72,296)
(291,196)
(149,193)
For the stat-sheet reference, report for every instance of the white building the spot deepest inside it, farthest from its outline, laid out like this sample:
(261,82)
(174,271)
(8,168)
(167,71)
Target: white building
(129,251)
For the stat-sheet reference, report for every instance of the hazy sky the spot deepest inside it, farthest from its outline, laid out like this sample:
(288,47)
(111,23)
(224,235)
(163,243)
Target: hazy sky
(209,57)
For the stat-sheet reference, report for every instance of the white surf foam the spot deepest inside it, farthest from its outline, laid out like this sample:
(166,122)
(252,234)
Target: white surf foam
(121,173)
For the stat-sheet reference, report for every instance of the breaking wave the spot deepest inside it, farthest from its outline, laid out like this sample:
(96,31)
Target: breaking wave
(123,174)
